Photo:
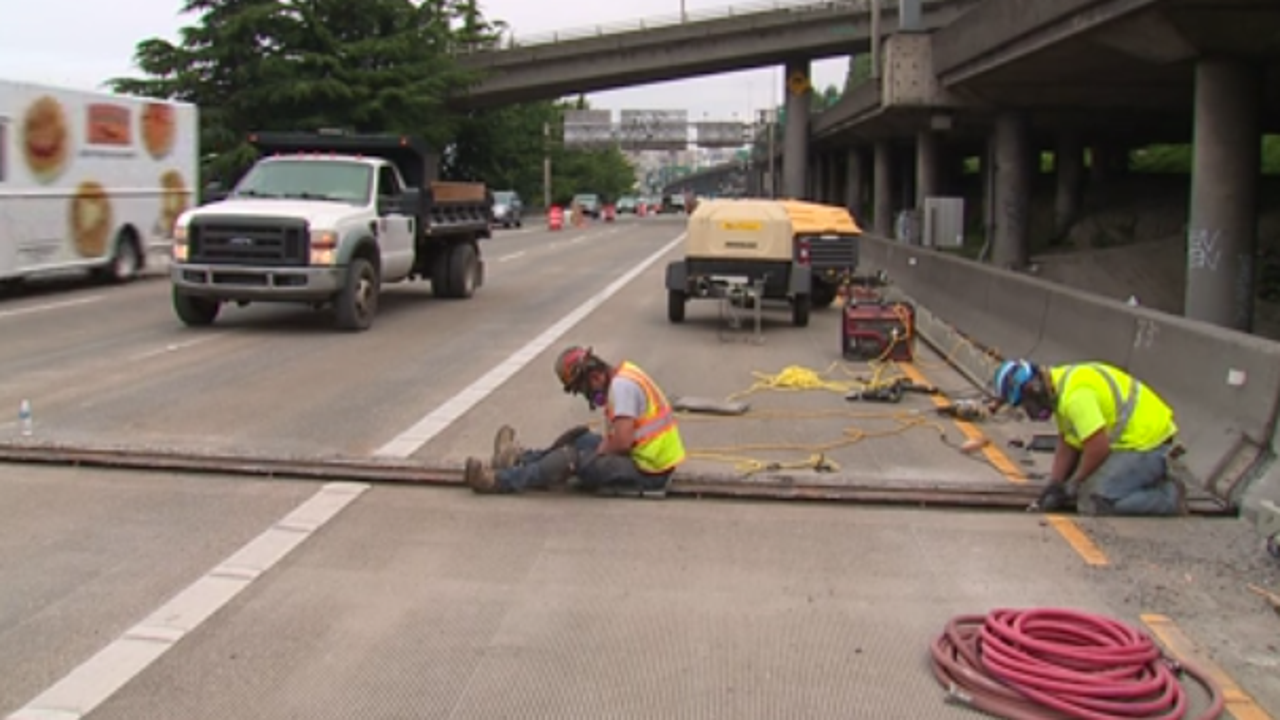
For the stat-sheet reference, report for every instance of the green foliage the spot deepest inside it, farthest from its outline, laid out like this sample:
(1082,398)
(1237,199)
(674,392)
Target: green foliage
(859,71)
(376,66)
(1176,159)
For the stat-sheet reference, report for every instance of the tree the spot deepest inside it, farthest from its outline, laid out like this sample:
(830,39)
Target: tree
(859,71)
(375,66)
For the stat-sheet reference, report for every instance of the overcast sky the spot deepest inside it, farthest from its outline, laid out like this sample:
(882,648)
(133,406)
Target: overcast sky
(80,44)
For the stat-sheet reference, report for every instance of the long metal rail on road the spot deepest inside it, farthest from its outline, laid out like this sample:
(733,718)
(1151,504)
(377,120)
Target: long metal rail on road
(1001,496)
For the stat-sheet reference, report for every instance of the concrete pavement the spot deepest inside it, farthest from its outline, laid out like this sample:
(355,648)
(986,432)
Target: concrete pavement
(155,595)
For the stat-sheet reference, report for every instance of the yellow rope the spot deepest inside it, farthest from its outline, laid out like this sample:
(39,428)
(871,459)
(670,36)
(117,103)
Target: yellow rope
(796,378)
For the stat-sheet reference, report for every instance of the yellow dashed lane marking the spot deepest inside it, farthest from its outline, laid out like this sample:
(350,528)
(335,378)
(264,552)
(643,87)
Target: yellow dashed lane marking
(1066,527)
(1239,703)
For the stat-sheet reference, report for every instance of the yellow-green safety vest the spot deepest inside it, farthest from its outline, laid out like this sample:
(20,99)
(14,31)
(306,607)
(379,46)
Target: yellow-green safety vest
(1139,420)
(657,447)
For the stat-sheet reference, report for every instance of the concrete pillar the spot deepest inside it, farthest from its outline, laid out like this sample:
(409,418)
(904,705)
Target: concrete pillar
(1011,246)
(854,184)
(882,188)
(1222,231)
(928,167)
(795,142)
(1068,165)
(816,177)
(833,181)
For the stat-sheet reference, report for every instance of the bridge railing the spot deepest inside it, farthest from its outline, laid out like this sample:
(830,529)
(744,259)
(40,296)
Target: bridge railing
(510,41)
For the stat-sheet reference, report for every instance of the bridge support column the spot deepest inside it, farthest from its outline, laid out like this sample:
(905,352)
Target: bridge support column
(855,184)
(795,141)
(1222,230)
(1068,166)
(817,177)
(1013,191)
(882,189)
(927,166)
(833,179)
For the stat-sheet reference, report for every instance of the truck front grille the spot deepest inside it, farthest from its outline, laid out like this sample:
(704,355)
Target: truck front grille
(274,242)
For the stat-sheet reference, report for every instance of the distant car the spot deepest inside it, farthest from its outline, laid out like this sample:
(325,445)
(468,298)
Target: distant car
(589,203)
(628,205)
(508,208)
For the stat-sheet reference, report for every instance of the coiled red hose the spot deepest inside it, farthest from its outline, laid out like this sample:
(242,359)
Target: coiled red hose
(1049,663)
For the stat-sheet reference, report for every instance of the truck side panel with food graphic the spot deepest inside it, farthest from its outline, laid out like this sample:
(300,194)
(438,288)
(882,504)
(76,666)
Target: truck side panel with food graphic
(89,180)
(326,219)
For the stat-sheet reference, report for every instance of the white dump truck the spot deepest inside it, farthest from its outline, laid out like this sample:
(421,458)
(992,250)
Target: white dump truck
(90,181)
(327,219)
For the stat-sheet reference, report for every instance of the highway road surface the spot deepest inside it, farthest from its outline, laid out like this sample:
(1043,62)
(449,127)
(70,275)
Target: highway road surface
(138,595)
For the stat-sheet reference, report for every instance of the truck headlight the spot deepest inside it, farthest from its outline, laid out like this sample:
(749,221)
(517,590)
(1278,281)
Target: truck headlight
(180,247)
(324,245)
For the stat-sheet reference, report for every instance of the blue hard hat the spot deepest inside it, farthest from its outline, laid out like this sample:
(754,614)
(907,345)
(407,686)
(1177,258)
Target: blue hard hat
(1010,378)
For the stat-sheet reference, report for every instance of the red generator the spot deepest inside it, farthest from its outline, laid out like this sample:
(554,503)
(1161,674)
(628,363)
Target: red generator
(878,330)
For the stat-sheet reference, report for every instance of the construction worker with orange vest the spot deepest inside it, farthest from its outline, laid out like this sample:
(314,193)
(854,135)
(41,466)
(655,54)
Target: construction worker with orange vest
(1115,437)
(637,454)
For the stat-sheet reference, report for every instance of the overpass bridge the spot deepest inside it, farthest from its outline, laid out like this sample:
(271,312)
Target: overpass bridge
(661,49)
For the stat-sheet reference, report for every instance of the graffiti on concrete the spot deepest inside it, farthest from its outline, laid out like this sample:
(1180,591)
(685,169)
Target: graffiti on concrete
(1204,249)
(1144,335)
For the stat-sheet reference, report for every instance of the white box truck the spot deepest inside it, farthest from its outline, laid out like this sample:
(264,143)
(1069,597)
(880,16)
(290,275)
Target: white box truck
(90,181)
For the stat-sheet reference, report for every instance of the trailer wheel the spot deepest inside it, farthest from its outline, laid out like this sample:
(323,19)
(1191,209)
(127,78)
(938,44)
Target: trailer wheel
(463,269)
(357,303)
(195,311)
(676,300)
(800,306)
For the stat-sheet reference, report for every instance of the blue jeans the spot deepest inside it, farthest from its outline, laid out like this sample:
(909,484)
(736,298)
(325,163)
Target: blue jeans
(542,468)
(1129,483)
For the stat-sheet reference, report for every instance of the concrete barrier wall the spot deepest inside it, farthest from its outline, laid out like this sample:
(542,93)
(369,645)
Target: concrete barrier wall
(1228,428)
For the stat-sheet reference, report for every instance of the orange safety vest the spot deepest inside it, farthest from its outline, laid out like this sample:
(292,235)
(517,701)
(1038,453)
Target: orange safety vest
(657,448)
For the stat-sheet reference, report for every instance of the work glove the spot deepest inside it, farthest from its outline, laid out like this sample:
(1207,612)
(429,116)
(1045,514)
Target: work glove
(1054,498)
(568,437)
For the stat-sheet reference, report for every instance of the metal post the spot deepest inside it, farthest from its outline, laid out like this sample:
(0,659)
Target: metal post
(546,166)
(773,164)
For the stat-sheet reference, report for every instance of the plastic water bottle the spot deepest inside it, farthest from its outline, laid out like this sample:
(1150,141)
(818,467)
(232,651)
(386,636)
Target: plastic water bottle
(25,420)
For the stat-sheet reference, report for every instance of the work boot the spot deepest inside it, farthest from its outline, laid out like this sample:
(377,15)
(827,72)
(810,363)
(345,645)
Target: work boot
(506,452)
(480,478)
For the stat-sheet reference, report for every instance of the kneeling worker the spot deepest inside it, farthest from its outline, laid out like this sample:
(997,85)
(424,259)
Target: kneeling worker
(640,450)
(1115,436)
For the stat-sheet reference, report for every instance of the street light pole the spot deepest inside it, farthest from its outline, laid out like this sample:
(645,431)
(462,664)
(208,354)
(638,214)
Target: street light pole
(546,166)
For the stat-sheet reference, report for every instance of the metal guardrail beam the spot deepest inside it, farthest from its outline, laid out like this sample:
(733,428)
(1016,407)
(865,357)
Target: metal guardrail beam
(761,7)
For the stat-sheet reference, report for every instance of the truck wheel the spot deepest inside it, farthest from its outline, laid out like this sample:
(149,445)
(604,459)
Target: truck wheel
(462,271)
(356,305)
(823,294)
(675,305)
(800,306)
(195,311)
(440,274)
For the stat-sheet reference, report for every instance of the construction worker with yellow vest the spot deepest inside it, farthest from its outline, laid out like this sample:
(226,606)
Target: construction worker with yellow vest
(1115,436)
(637,454)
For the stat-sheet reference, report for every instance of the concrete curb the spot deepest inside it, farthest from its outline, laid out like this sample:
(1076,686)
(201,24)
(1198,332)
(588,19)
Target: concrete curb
(1224,385)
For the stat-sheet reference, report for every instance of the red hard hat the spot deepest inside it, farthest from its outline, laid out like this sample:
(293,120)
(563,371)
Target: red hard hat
(570,366)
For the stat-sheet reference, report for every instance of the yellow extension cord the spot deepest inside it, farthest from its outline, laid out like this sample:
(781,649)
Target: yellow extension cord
(796,378)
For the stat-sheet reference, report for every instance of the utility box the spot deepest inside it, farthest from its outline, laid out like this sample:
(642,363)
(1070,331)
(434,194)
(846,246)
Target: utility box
(943,222)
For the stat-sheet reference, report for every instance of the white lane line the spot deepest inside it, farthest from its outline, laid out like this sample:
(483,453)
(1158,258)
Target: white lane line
(50,306)
(172,347)
(409,441)
(98,678)
(512,256)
